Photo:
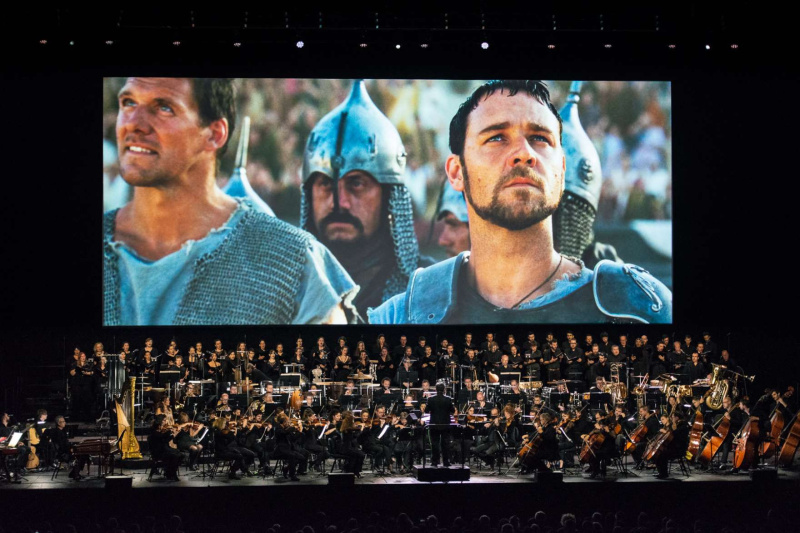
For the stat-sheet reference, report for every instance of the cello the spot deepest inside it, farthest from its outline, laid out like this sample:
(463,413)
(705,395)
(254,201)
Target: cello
(747,444)
(790,444)
(658,445)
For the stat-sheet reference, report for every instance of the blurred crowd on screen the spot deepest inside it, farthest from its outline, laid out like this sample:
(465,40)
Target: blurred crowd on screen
(629,123)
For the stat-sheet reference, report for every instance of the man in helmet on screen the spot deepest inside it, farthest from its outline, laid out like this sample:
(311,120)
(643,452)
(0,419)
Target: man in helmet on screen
(508,160)
(182,251)
(354,199)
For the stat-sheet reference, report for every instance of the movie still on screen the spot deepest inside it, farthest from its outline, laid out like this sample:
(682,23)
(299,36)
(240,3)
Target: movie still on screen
(249,201)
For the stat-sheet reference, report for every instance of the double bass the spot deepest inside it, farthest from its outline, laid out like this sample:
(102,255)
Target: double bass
(715,442)
(790,444)
(745,454)
(695,436)
(770,446)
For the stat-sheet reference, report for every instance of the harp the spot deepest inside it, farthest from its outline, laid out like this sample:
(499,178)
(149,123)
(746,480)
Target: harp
(128,445)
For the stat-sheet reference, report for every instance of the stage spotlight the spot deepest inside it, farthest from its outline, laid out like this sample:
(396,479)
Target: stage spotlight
(397,46)
(300,44)
(708,47)
(485,45)
(551,46)
(734,46)
(423,45)
(607,46)
(72,43)
(176,43)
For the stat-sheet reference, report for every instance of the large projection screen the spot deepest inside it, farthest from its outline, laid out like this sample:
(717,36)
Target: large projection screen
(297,201)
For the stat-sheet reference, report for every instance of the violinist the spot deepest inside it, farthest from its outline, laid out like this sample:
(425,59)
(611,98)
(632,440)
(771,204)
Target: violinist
(676,424)
(164,407)
(350,432)
(186,440)
(315,432)
(404,446)
(159,442)
(257,441)
(382,440)
(488,442)
(226,447)
(287,434)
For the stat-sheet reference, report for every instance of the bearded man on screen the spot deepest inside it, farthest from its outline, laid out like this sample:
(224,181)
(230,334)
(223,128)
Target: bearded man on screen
(508,160)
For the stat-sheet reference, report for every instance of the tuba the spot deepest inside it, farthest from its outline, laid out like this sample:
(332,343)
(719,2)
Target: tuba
(719,389)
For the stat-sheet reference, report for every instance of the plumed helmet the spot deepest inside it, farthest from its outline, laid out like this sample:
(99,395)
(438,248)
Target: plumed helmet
(573,222)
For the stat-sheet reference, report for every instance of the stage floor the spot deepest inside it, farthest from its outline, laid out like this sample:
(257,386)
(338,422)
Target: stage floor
(190,479)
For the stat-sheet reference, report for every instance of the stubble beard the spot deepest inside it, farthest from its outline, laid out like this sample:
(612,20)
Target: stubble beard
(512,216)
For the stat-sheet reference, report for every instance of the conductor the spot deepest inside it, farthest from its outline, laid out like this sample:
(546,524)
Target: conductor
(440,407)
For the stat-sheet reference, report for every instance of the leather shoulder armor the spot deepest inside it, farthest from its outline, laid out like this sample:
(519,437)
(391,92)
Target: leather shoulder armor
(630,293)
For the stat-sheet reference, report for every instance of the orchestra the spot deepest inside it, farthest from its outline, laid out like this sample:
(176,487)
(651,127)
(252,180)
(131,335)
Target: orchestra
(517,409)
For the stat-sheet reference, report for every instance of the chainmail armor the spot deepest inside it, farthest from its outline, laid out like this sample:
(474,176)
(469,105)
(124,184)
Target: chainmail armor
(252,277)
(573,224)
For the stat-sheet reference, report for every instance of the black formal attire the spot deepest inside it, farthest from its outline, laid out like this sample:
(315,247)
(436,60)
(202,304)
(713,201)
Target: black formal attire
(227,447)
(675,448)
(694,372)
(63,449)
(285,449)
(440,407)
(653,426)
(349,448)
(532,364)
(160,450)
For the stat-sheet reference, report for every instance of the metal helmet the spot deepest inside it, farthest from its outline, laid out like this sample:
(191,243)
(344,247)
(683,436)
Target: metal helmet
(452,202)
(356,135)
(573,222)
